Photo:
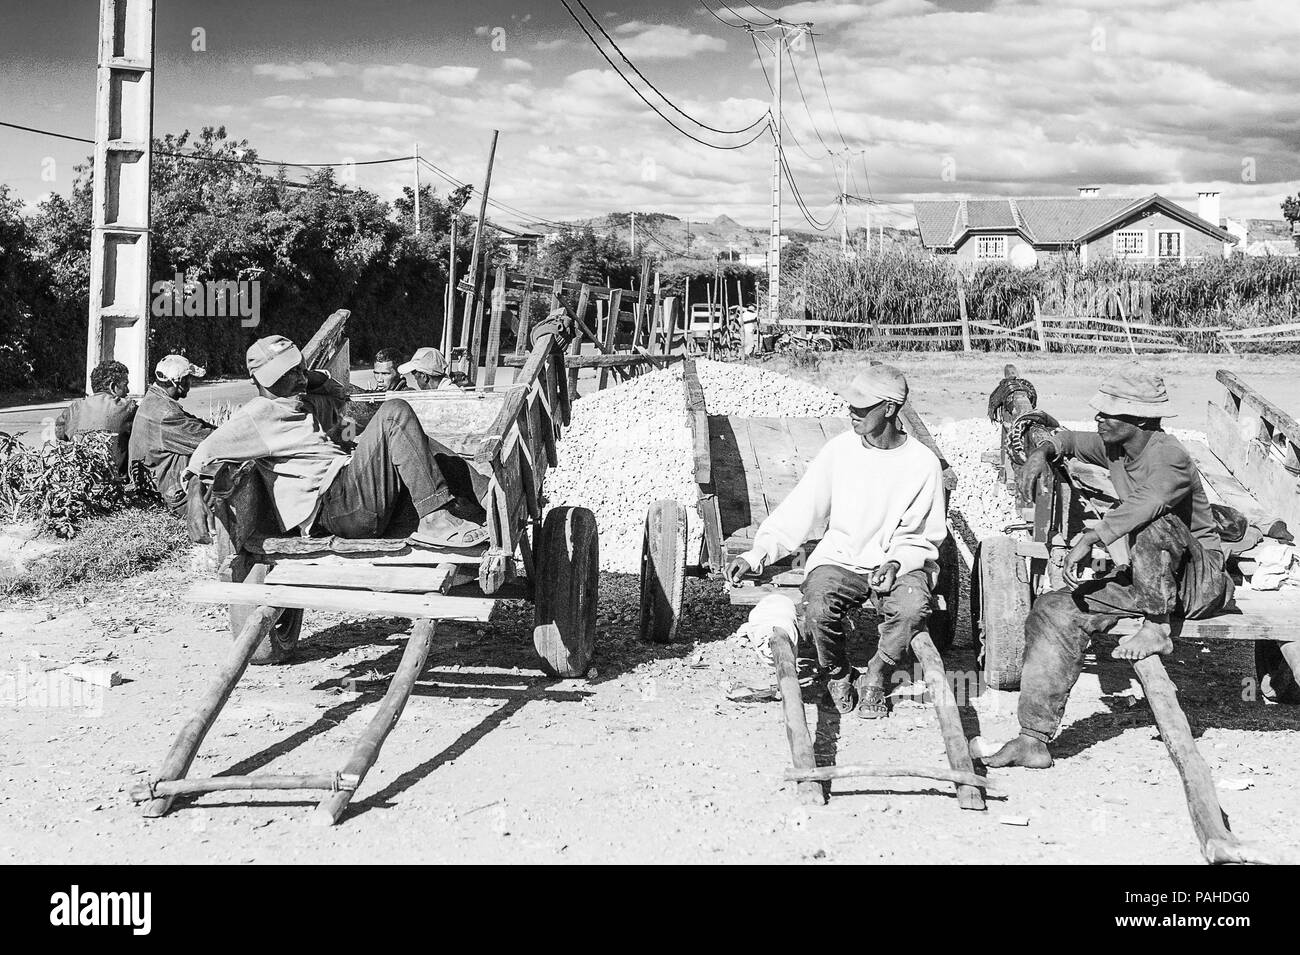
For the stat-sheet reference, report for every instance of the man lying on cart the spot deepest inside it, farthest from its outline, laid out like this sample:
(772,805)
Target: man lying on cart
(878,492)
(292,430)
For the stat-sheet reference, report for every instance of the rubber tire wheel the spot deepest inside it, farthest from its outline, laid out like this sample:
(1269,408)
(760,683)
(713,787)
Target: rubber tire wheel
(943,623)
(663,571)
(568,581)
(279,643)
(999,606)
(1276,681)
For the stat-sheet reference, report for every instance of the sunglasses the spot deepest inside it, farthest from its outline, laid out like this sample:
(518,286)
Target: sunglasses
(863,412)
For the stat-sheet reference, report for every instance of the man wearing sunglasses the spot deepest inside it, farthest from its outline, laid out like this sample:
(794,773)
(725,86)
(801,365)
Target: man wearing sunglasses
(1176,561)
(875,497)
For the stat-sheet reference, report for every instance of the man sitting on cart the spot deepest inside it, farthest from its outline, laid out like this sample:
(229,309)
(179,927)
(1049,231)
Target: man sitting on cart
(878,494)
(428,369)
(292,431)
(1176,561)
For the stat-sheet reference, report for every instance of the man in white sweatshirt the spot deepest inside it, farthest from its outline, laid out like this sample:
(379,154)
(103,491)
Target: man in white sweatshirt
(875,497)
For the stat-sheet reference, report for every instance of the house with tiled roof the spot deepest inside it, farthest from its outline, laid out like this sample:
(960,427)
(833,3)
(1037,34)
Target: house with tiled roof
(1147,229)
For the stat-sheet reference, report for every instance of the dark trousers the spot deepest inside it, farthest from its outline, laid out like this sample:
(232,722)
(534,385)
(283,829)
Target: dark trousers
(831,591)
(392,456)
(1169,573)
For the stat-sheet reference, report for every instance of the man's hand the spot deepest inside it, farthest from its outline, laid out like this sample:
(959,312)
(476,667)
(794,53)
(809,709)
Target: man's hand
(1037,465)
(739,567)
(1079,553)
(885,576)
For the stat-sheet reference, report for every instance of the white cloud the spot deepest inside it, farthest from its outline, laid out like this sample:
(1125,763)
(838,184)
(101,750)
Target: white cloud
(308,70)
(343,106)
(438,75)
(662,41)
(516,65)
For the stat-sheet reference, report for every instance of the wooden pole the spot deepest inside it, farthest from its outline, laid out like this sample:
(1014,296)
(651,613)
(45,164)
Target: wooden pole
(471,300)
(190,738)
(525,314)
(965,319)
(449,307)
(390,710)
(216,784)
(826,773)
(611,325)
(945,708)
(1218,844)
(1038,326)
(808,792)
(493,357)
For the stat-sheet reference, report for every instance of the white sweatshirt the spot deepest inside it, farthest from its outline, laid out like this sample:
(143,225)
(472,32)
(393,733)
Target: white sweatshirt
(869,506)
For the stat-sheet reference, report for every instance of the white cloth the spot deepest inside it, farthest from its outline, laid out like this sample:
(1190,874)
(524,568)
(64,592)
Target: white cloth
(868,505)
(1275,565)
(773,612)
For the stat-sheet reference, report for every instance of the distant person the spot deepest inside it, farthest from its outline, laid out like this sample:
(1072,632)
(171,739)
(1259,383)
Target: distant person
(165,434)
(106,408)
(428,369)
(291,430)
(384,369)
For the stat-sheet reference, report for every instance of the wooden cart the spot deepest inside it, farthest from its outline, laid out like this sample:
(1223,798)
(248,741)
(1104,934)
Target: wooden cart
(508,435)
(745,467)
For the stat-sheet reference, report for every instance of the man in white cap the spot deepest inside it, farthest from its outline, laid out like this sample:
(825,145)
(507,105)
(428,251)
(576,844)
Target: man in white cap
(1176,561)
(875,496)
(291,431)
(165,434)
(428,369)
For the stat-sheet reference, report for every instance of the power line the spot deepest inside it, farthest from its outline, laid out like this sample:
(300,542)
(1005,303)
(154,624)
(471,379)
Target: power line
(660,93)
(799,200)
(495,203)
(799,84)
(818,59)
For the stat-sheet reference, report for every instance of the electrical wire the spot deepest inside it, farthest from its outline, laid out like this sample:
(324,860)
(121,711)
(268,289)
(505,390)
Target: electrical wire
(799,84)
(644,79)
(818,59)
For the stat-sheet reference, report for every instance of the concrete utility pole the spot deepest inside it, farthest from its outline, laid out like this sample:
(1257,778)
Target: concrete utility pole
(777,35)
(631,229)
(417,188)
(121,215)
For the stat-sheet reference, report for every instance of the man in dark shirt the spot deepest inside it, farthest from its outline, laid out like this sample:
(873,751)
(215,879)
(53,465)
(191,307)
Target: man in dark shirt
(165,434)
(386,375)
(106,408)
(1176,561)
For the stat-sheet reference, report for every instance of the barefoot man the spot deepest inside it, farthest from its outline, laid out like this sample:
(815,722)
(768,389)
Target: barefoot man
(878,495)
(1176,562)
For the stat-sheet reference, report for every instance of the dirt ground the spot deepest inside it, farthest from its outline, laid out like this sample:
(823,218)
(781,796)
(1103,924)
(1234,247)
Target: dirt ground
(646,761)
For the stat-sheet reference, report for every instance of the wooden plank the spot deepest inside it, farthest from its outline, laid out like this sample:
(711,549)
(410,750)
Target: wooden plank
(697,420)
(1255,615)
(472,609)
(808,436)
(752,467)
(1252,463)
(320,351)
(1220,485)
(1283,430)
(1263,332)
(611,329)
(410,580)
(525,316)
(774,447)
(729,479)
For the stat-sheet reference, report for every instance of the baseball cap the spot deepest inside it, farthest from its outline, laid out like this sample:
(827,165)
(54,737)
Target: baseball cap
(875,384)
(427,360)
(270,359)
(176,367)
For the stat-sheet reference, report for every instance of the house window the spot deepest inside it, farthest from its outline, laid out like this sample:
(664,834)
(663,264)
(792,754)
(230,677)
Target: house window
(1169,245)
(991,247)
(1132,242)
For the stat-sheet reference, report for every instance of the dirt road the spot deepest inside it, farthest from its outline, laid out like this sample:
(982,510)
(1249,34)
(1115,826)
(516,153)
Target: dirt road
(647,761)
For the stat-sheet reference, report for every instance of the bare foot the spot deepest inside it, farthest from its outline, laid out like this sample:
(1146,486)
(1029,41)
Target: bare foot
(1152,638)
(1022,751)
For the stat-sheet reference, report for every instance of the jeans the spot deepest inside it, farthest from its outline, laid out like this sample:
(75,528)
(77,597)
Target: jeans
(1169,573)
(393,455)
(831,591)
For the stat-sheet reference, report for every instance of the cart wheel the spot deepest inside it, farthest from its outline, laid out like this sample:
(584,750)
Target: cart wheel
(999,606)
(279,643)
(943,623)
(663,571)
(1277,682)
(568,576)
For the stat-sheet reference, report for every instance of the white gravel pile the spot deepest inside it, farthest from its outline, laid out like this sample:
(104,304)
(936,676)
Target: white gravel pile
(627,447)
(757,393)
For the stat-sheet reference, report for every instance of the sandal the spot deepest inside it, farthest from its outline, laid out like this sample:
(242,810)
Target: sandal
(872,700)
(442,529)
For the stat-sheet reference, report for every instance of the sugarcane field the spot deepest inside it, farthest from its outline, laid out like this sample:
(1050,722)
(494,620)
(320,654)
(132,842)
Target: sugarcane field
(485,492)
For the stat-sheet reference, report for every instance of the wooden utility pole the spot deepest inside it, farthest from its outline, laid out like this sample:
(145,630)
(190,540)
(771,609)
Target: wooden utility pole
(417,188)
(449,307)
(121,214)
(473,299)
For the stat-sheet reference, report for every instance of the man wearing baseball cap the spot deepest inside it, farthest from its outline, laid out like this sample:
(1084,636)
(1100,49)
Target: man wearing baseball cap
(291,430)
(1176,560)
(165,434)
(875,496)
(428,369)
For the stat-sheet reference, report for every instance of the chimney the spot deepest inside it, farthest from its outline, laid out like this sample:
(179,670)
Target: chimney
(1089,192)
(1207,207)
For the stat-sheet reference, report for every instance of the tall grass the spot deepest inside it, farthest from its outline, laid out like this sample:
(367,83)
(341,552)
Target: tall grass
(908,287)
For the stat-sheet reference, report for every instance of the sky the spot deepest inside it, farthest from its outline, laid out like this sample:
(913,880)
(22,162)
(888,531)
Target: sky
(948,98)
